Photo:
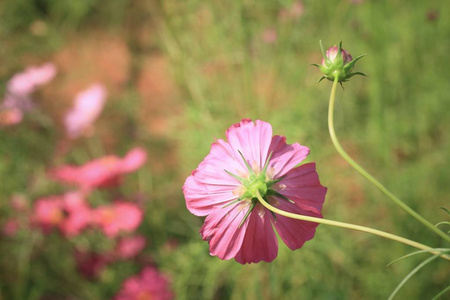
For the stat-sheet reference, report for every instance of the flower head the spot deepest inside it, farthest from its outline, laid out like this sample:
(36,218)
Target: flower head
(337,63)
(120,216)
(103,172)
(88,106)
(17,99)
(149,284)
(129,247)
(78,214)
(226,185)
(48,212)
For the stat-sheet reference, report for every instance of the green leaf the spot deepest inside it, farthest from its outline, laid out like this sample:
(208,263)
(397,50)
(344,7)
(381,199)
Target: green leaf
(441,293)
(410,274)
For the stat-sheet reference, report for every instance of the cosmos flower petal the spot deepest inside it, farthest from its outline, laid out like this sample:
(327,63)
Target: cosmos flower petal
(202,199)
(260,242)
(295,233)
(222,230)
(252,139)
(302,186)
(285,157)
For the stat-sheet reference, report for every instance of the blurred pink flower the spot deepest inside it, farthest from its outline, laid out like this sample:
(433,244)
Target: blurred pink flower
(11,227)
(18,90)
(87,108)
(25,83)
(48,212)
(269,35)
(91,264)
(10,116)
(118,217)
(149,284)
(129,247)
(78,214)
(102,172)
(237,225)
(296,10)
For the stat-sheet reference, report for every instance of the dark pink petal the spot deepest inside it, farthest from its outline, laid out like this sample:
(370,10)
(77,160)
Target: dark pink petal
(294,232)
(202,199)
(285,157)
(222,230)
(252,139)
(260,242)
(302,185)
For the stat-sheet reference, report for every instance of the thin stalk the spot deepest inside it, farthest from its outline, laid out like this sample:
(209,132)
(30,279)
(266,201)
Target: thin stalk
(369,177)
(383,234)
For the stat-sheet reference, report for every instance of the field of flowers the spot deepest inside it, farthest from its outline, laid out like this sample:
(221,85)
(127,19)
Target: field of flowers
(140,140)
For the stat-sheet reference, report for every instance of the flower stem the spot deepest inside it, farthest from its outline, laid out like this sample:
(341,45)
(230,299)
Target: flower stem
(369,177)
(349,226)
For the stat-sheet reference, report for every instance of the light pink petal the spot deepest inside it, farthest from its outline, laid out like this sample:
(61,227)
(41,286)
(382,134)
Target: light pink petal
(212,170)
(260,242)
(285,157)
(88,106)
(294,232)
(251,139)
(222,231)
(202,199)
(302,185)
(134,159)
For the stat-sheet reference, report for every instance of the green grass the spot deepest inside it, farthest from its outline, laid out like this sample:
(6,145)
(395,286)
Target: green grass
(395,123)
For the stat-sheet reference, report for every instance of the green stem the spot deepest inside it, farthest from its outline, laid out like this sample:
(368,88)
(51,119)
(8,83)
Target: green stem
(369,177)
(349,226)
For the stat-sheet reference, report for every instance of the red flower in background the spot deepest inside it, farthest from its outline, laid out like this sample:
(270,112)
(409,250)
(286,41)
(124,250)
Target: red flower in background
(149,284)
(48,212)
(120,216)
(78,214)
(129,247)
(103,172)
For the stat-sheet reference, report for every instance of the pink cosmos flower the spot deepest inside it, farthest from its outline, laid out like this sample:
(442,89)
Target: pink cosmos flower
(78,214)
(91,264)
(48,213)
(11,227)
(88,106)
(27,82)
(102,172)
(129,247)
(149,284)
(120,216)
(224,188)
(18,90)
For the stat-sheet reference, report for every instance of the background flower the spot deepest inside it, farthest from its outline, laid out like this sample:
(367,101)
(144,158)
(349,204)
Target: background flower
(87,108)
(149,284)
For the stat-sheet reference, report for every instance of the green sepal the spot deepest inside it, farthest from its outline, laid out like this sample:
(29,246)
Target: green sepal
(275,193)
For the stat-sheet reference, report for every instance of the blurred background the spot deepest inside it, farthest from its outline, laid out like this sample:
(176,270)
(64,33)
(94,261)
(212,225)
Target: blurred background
(174,75)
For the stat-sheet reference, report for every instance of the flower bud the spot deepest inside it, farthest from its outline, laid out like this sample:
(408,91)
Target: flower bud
(337,63)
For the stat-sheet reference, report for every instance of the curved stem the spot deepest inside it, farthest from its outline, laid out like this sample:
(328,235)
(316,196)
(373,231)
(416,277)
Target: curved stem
(349,226)
(369,177)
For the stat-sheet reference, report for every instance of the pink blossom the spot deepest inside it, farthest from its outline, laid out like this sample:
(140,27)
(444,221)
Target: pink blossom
(269,35)
(18,90)
(223,188)
(129,247)
(11,227)
(102,172)
(295,11)
(149,284)
(118,217)
(87,108)
(91,264)
(78,214)
(27,82)
(48,212)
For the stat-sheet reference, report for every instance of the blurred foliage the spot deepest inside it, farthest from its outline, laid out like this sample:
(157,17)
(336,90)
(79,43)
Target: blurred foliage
(246,59)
